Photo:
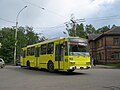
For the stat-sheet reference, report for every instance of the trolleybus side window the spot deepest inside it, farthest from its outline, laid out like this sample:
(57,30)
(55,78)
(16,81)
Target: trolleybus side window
(28,52)
(37,52)
(66,48)
(43,49)
(23,53)
(50,49)
(32,50)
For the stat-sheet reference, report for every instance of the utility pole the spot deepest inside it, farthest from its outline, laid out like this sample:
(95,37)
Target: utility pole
(73,24)
(15,51)
(74,27)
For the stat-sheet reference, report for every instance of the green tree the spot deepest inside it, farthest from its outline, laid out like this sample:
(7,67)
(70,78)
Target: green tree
(80,30)
(70,30)
(7,40)
(89,29)
(26,36)
(103,29)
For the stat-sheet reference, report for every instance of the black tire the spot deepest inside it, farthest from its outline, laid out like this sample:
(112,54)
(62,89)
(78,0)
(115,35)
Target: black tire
(1,66)
(22,66)
(70,70)
(28,64)
(50,67)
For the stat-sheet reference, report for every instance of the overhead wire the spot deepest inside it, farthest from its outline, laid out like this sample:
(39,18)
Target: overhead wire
(82,20)
(62,25)
(103,18)
(50,28)
(6,20)
(77,21)
(45,9)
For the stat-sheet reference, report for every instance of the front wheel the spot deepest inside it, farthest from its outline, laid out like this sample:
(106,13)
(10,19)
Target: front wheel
(50,66)
(70,70)
(2,66)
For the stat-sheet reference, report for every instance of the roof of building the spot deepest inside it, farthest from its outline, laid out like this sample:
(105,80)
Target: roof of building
(113,31)
(93,36)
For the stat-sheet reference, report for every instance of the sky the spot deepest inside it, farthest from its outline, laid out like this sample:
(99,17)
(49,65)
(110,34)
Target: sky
(49,16)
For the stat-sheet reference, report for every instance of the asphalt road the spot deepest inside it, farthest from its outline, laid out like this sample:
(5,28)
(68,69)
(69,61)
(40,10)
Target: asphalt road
(16,78)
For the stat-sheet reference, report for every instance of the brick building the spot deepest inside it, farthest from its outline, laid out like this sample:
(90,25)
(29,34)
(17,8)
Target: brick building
(105,48)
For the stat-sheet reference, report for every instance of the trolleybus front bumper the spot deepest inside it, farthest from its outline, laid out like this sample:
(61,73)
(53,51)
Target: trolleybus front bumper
(79,67)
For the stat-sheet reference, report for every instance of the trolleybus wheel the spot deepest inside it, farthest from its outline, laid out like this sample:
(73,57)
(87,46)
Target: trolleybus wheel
(50,66)
(28,64)
(70,70)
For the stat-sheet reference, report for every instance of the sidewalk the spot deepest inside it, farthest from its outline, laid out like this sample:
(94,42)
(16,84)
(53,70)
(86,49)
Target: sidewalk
(103,66)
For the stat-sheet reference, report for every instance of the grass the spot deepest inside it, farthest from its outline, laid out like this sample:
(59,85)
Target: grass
(114,65)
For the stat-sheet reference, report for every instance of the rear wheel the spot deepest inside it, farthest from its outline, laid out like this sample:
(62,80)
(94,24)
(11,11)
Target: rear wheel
(28,64)
(50,66)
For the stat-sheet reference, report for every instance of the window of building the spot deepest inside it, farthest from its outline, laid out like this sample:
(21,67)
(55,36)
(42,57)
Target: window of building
(116,41)
(102,55)
(101,42)
(116,55)
(50,49)
(43,49)
(91,45)
(98,44)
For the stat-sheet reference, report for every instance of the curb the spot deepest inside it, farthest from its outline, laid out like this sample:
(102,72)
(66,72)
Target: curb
(103,67)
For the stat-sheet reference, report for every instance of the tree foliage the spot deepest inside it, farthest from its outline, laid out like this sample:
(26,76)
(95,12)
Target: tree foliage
(26,36)
(84,32)
(79,30)
(89,29)
(103,29)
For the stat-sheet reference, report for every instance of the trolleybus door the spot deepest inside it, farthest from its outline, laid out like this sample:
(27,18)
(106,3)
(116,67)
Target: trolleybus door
(37,55)
(59,56)
(24,56)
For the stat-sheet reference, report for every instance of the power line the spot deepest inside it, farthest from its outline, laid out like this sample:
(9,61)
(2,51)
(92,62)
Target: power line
(6,20)
(49,28)
(77,21)
(94,19)
(33,4)
(42,8)
(106,19)
(102,18)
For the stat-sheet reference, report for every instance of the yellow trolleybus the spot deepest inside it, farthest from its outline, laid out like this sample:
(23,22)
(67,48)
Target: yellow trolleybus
(65,53)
